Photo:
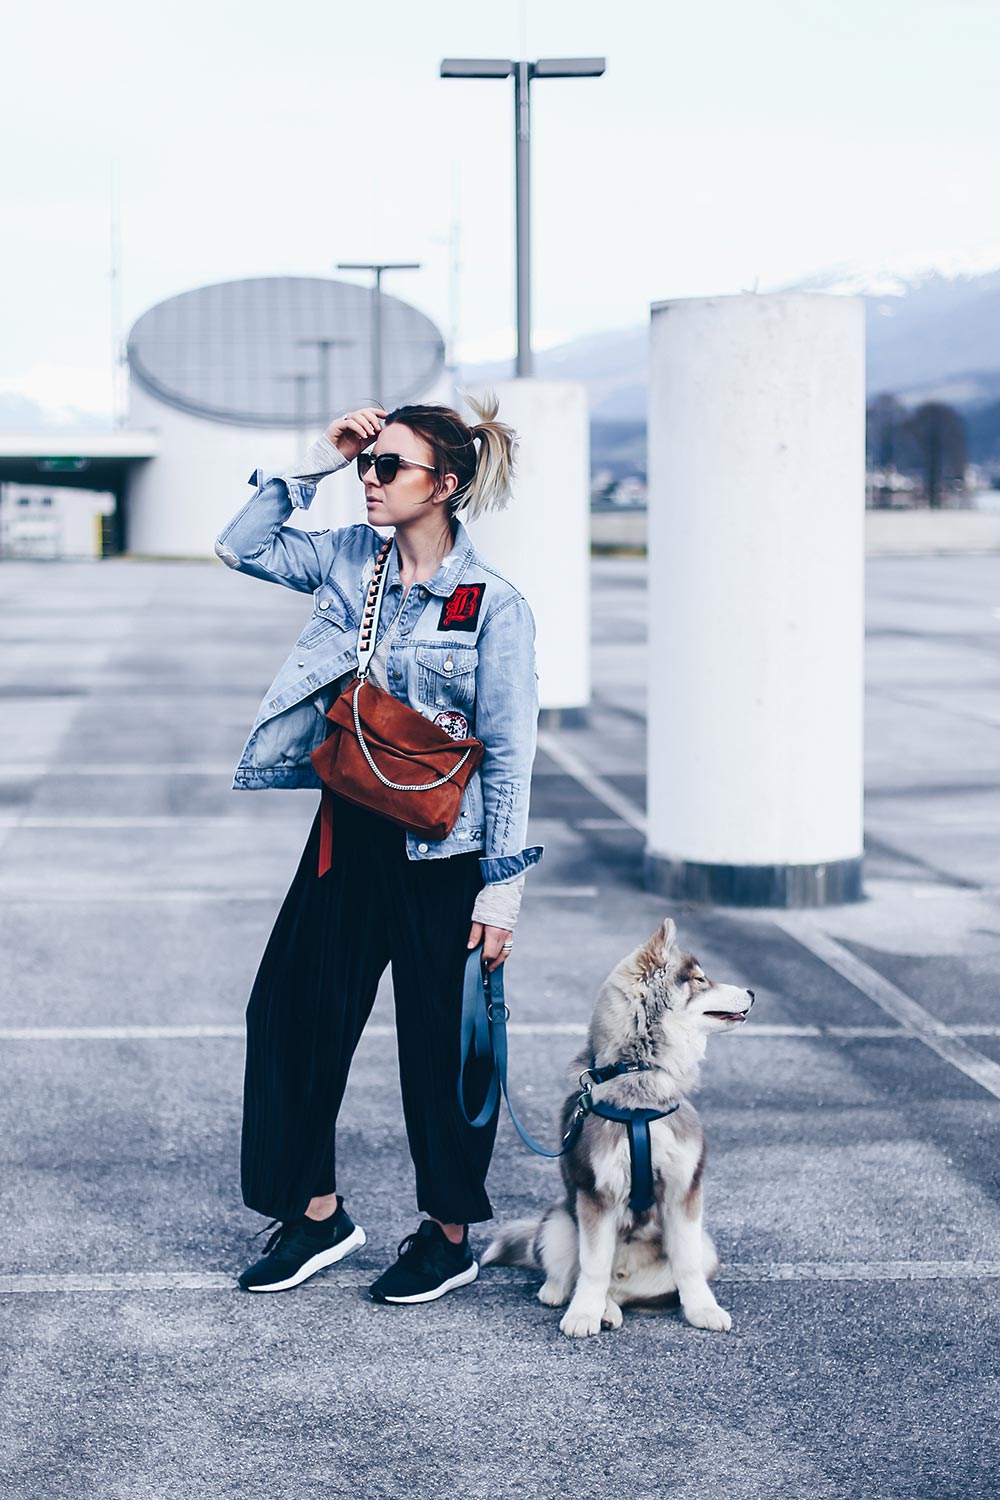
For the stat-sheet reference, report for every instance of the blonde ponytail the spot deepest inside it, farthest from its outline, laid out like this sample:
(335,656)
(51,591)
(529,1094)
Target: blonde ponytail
(491,486)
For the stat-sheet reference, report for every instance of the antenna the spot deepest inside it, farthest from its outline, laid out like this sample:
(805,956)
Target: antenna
(117,336)
(455,279)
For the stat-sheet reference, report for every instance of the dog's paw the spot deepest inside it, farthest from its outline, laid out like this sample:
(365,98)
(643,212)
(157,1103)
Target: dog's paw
(578,1323)
(553,1294)
(612,1315)
(710,1315)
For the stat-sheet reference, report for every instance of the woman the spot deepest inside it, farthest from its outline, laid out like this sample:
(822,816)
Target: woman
(456,642)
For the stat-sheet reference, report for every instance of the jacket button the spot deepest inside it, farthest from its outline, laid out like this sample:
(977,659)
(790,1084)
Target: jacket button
(449,666)
(301,663)
(421,848)
(422,594)
(324,604)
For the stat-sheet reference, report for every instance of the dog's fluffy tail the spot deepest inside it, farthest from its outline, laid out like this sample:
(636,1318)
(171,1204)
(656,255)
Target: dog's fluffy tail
(514,1245)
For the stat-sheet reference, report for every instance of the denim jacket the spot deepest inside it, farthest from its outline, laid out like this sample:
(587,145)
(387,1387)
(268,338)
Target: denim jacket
(465,651)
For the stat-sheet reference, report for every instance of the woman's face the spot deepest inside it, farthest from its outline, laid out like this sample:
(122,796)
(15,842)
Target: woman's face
(414,492)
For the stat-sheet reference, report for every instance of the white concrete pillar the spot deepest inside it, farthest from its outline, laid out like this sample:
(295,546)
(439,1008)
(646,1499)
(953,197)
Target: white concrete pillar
(541,542)
(756,557)
(179,501)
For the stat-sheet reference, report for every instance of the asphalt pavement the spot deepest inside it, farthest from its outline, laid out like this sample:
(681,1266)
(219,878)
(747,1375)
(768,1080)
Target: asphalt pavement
(852,1124)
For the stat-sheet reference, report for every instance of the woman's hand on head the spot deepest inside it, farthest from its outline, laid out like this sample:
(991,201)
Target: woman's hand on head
(492,939)
(352,433)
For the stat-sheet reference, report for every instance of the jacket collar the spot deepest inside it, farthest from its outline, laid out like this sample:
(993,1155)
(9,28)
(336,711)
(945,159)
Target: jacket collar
(451,571)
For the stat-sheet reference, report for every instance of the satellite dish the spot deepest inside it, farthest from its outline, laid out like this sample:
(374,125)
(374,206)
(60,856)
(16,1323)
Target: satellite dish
(281,351)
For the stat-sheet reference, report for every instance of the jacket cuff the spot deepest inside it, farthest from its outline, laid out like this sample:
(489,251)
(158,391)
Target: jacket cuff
(503,867)
(300,491)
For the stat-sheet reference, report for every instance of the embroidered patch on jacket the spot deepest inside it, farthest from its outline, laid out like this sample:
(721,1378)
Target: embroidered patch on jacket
(461,610)
(453,723)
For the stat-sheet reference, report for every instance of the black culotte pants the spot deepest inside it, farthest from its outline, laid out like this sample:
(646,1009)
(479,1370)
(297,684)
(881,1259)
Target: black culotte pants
(314,992)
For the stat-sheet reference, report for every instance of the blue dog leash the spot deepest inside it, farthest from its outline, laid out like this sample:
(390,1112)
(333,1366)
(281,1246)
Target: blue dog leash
(484,1038)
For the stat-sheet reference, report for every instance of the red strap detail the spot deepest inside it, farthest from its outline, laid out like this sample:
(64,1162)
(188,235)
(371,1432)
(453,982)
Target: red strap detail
(325,831)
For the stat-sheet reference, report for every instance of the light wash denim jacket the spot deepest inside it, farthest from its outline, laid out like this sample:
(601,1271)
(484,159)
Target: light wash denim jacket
(474,657)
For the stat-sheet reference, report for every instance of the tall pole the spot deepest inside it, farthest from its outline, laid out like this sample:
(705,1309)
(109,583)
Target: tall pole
(301,380)
(375,322)
(522,196)
(377,336)
(323,347)
(523,72)
(454,281)
(117,341)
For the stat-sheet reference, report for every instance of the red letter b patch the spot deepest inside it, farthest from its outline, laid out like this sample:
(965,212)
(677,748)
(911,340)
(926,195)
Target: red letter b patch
(461,610)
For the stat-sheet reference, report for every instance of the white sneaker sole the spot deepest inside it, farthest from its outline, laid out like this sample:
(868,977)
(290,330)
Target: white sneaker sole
(316,1263)
(462,1279)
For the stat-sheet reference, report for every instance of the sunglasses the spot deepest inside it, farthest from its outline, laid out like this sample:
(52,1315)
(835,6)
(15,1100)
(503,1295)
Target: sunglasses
(387,465)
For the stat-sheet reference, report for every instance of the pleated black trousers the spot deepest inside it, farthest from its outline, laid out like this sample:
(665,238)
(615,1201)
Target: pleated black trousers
(313,993)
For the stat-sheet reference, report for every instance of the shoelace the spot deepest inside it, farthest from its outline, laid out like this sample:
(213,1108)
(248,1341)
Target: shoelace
(278,1234)
(275,1237)
(419,1247)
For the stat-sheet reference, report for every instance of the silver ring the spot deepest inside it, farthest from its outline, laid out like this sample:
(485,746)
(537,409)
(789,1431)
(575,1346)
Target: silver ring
(506,947)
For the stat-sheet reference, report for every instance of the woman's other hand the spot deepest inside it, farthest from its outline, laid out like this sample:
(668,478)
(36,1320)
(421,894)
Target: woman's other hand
(357,430)
(492,939)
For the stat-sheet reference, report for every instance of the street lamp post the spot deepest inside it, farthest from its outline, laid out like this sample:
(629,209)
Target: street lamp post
(376,320)
(523,73)
(301,380)
(323,347)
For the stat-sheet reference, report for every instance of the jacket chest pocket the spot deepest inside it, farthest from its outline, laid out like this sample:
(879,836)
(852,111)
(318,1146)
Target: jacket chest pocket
(330,613)
(446,676)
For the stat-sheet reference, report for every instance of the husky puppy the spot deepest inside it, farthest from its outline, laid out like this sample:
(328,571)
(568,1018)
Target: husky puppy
(656,1008)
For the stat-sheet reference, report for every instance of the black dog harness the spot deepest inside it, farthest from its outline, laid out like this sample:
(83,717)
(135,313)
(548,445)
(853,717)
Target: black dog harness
(640,1148)
(484,1037)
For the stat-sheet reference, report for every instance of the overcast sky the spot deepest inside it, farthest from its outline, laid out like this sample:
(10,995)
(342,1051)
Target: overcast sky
(729,144)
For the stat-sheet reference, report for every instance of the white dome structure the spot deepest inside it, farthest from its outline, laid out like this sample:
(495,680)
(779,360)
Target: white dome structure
(245,374)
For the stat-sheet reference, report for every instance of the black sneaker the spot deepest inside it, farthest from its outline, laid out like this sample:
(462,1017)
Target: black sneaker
(300,1248)
(428,1266)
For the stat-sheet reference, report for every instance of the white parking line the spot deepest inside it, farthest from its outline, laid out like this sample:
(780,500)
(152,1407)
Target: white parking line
(26,895)
(199,1033)
(762,1031)
(878,1270)
(602,790)
(125,821)
(739,1271)
(121,768)
(939,1037)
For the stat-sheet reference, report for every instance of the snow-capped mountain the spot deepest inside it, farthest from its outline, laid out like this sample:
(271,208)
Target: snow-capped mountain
(933,333)
(902,274)
(929,327)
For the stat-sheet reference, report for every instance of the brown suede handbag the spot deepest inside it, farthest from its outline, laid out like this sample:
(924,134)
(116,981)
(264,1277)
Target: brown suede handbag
(384,755)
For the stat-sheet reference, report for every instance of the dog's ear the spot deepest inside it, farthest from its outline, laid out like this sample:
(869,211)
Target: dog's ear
(657,951)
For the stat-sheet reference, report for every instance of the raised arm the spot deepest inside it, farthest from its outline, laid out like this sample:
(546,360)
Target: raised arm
(258,542)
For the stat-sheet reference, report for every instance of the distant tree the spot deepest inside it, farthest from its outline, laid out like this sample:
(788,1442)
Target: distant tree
(935,436)
(982,431)
(883,420)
